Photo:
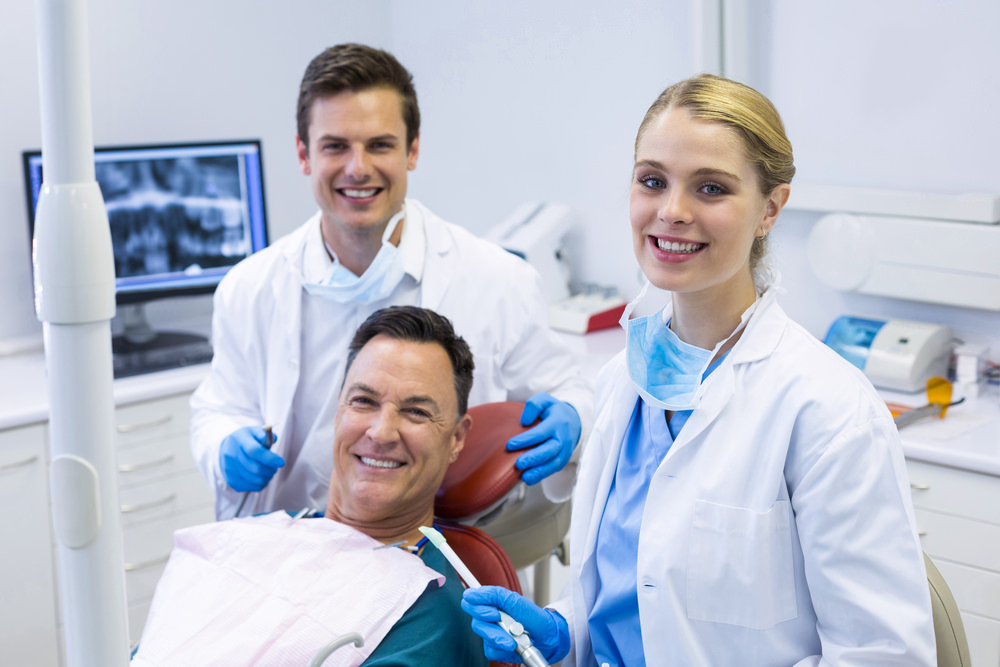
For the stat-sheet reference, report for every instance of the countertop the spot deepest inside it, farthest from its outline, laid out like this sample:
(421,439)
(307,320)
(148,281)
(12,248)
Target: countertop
(24,390)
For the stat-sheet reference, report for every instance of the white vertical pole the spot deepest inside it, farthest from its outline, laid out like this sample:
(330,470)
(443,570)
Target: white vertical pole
(708,36)
(74,299)
(736,39)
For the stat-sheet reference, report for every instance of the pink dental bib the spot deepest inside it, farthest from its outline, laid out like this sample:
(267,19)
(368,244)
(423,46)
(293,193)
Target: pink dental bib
(270,592)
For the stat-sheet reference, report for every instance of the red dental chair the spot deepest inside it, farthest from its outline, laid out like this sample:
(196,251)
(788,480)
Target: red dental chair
(493,521)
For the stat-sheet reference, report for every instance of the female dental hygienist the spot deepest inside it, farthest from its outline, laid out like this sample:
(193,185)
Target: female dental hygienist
(743,498)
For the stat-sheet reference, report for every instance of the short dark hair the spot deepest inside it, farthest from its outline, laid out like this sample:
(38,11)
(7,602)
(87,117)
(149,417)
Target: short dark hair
(356,67)
(419,325)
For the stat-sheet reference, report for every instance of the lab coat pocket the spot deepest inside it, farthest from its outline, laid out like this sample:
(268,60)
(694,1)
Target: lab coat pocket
(740,565)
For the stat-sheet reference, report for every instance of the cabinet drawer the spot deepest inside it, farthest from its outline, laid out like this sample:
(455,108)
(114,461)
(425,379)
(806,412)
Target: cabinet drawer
(975,590)
(984,640)
(137,613)
(141,422)
(954,491)
(154,460)
(170,495)
(959,539)
(148,544)
(141,580)
(28,614)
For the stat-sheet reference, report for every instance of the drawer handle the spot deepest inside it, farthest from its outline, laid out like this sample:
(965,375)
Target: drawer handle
(132,467)
(921,533)
(132,567)
(128,509)
(920,487)
(18,464)
(128,428)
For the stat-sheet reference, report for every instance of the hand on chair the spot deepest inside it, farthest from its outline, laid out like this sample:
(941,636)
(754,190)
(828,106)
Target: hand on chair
(551,440)
(547,629)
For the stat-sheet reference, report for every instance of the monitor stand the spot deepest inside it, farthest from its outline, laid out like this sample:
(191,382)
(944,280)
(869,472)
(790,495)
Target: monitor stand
(140,349)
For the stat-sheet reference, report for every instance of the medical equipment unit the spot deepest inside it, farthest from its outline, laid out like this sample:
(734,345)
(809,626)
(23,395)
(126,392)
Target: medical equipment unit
(181,215)
(535,232)
(898,355)
(908,245)
(529,655)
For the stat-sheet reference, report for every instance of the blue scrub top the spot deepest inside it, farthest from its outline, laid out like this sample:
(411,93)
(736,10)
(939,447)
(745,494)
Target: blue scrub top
(615,634)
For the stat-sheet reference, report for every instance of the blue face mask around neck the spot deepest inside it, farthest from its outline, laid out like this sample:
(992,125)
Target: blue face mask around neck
(378,281)
(666,371)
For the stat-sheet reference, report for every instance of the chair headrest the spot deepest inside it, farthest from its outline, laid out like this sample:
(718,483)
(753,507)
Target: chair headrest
(484,471)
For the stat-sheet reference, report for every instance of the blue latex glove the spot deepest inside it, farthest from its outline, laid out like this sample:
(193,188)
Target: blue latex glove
(246,464)
(555,436)
(548,630)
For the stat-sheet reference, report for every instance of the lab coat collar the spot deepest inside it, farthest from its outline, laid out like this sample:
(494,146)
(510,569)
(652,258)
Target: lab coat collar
(413,242)
(439,244)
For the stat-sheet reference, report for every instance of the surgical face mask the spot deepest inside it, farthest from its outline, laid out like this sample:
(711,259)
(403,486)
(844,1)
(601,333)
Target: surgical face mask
(376,283)
(666,371)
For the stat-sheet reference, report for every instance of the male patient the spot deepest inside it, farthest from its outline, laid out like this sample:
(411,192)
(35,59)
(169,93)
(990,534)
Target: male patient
(269,590)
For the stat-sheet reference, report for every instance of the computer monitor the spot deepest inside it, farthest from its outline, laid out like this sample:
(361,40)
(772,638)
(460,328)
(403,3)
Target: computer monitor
(181,216)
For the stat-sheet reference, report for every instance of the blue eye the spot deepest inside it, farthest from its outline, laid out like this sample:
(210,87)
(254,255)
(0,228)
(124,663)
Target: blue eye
(652,182)
(713,189)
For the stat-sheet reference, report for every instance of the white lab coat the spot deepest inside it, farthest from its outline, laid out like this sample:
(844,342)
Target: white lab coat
(493,299)
(778,529)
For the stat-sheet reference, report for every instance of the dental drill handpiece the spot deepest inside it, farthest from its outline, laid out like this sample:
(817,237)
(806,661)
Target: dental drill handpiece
(528,652)
(268,443)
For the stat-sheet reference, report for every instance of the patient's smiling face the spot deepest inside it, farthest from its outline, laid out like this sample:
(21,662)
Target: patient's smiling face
(397,429)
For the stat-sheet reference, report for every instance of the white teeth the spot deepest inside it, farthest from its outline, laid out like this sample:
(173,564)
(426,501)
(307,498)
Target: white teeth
(360,194)
(378,463)
(680,248)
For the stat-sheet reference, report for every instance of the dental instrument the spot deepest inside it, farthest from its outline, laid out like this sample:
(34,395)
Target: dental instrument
(528,653)
(268,443)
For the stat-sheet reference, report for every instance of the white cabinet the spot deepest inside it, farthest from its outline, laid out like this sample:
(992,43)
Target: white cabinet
(27,589)
(161,491)
(958,516)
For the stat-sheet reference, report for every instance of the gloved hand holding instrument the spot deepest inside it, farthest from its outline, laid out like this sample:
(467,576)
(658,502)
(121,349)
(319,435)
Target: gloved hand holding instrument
(246,461)
(491,606)
(517,639)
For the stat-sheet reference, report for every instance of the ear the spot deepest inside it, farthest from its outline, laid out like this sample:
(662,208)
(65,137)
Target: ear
(302,150)
(775,202)
(461,432)
(413,153)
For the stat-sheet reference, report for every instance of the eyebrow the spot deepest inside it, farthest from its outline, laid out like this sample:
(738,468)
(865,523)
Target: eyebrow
(381,137)
(408,401)
(704,171)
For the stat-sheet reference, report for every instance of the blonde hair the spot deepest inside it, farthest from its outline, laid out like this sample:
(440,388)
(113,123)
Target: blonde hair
(747,113)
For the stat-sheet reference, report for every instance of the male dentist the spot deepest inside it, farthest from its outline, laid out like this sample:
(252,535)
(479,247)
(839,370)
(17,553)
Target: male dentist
(283,317)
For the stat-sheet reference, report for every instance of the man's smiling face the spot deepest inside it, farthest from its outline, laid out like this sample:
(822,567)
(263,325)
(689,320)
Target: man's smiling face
(357,160)
(397,429)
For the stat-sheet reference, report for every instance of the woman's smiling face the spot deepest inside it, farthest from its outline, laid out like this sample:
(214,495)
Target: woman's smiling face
(695,206)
